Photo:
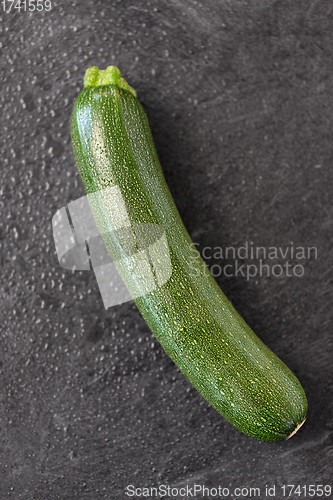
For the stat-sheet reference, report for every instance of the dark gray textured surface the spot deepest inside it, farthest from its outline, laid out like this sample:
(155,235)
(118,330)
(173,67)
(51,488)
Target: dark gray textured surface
(239,98)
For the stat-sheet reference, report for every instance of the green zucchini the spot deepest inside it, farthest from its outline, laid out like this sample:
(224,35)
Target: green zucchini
(190,316)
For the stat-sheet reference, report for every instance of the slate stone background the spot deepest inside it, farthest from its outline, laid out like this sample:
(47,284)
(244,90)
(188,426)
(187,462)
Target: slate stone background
(239,98)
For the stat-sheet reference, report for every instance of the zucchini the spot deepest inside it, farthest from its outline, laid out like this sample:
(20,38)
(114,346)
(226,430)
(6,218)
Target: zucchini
(190,316)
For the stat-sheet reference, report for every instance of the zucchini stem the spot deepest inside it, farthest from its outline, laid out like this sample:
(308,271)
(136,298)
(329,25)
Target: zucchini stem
(95,77)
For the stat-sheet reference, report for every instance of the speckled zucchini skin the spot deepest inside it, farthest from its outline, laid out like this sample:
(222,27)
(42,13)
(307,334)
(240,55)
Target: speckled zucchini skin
(189,315)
